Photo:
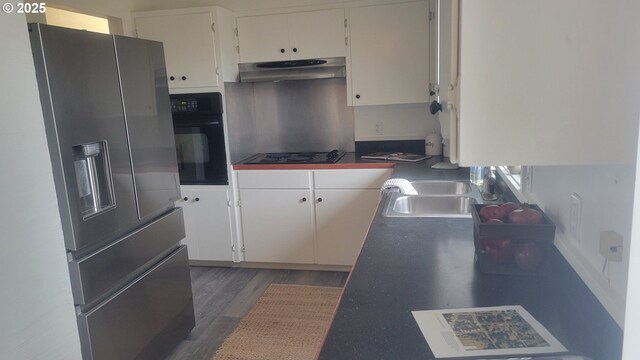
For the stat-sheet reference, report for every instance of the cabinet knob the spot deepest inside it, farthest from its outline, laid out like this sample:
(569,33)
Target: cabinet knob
(184,77)
(435,107)
(282,51)
(357,96)
(185,198)
(295,49)
(172,78)
(304,199)
(196,199)
(319,199)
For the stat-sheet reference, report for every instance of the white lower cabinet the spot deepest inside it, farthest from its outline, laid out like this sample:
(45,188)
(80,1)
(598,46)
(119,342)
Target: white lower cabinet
(277,225)
(342,221)
(207,223)
(307,217)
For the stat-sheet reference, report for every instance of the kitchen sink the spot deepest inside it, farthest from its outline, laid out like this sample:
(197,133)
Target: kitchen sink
(400,205)
(430,187)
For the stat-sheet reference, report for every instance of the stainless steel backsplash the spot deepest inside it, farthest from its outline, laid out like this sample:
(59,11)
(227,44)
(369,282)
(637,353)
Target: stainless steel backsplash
(287,116)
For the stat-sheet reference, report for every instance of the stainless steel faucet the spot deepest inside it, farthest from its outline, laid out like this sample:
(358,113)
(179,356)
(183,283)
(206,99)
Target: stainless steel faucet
(489,184)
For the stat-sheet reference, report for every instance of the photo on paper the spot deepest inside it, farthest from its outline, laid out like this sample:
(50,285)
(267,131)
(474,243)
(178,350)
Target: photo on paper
(505,330)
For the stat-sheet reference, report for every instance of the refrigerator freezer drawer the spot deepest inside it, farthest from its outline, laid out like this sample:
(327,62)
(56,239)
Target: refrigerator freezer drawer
(94,275)
(144,320)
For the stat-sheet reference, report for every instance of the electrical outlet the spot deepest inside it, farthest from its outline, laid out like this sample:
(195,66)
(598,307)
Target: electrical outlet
(526,179)
(575,218)
(611,245)
(379,129)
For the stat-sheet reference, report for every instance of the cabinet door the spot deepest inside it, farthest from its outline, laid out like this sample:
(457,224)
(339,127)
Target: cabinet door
(317,34)
(263,38)
(207,223)
(188,47)
(555,83)
(342,221)
(277,225)
(389,54)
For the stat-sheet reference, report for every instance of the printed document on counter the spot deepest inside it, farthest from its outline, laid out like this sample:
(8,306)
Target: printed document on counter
(485,331)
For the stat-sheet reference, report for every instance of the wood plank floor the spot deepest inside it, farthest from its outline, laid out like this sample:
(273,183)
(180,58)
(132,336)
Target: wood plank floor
(222,296)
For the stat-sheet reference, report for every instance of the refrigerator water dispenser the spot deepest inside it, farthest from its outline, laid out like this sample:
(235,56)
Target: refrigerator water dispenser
(93,176)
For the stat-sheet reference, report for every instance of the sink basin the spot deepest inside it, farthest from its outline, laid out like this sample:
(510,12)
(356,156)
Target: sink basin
(429,187)
(428,206)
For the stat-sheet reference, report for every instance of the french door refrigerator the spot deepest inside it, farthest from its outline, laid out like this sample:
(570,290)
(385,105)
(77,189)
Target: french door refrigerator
(108,122)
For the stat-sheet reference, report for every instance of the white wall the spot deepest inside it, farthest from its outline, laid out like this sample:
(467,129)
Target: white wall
(607,196)
(37,319)
(631,350)
(394,122)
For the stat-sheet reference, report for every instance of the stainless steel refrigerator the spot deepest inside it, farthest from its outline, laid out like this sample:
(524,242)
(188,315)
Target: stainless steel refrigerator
(108,121)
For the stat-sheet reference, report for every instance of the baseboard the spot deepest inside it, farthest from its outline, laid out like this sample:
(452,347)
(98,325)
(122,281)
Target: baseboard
(613,302)
(276,266)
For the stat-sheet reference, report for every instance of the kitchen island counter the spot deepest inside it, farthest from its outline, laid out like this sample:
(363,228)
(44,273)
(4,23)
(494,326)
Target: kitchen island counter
(411,264)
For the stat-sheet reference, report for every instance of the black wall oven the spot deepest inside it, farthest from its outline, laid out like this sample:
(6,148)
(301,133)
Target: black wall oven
(199,134)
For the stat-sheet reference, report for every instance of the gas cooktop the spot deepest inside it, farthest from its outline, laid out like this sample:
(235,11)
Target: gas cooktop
(297,158)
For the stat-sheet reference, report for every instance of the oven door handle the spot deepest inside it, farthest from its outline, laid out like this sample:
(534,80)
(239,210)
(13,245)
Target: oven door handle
(196,123)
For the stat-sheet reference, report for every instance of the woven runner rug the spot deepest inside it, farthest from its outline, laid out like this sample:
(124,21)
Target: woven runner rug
(288,322)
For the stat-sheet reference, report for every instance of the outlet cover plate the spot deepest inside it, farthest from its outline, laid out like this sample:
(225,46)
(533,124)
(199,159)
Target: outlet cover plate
(611,245)
(575,218)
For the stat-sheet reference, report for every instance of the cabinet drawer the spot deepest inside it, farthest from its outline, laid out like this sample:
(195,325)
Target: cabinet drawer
(145,319)
(351,178)
(95,274)
(274,179)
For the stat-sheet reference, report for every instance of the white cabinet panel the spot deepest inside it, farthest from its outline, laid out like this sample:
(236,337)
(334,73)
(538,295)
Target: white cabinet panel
(274,179)
(263,38)
(351,178)
(342,221)
(189,47)
(305,35)
(317,34)
(278,225)
(292,226)
(207,223)
(389,54)
(548,82)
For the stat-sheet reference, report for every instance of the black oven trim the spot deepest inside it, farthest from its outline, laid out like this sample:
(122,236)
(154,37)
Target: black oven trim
(208,115)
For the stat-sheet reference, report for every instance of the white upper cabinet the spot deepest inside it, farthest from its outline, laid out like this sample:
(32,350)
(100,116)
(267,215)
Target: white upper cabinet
(188,46)
(389,59)
(317,34)
(199,45)
(548,82)
(263,38)
(306,35)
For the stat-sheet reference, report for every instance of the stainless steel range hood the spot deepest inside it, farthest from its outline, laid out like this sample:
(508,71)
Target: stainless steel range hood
(293,70)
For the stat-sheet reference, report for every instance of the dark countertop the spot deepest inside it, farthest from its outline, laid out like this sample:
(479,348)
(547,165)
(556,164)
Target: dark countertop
(411,264)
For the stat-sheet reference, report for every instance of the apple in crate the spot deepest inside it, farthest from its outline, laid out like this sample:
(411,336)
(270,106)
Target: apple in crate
(529,255)
(492,212)
(526,215)
(509,207)
(499,250)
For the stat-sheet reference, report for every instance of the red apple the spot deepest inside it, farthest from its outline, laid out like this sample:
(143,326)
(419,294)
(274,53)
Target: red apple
(492,212)
(529,256)
(499,250)
(509,207)
(526,215)
(494,221)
